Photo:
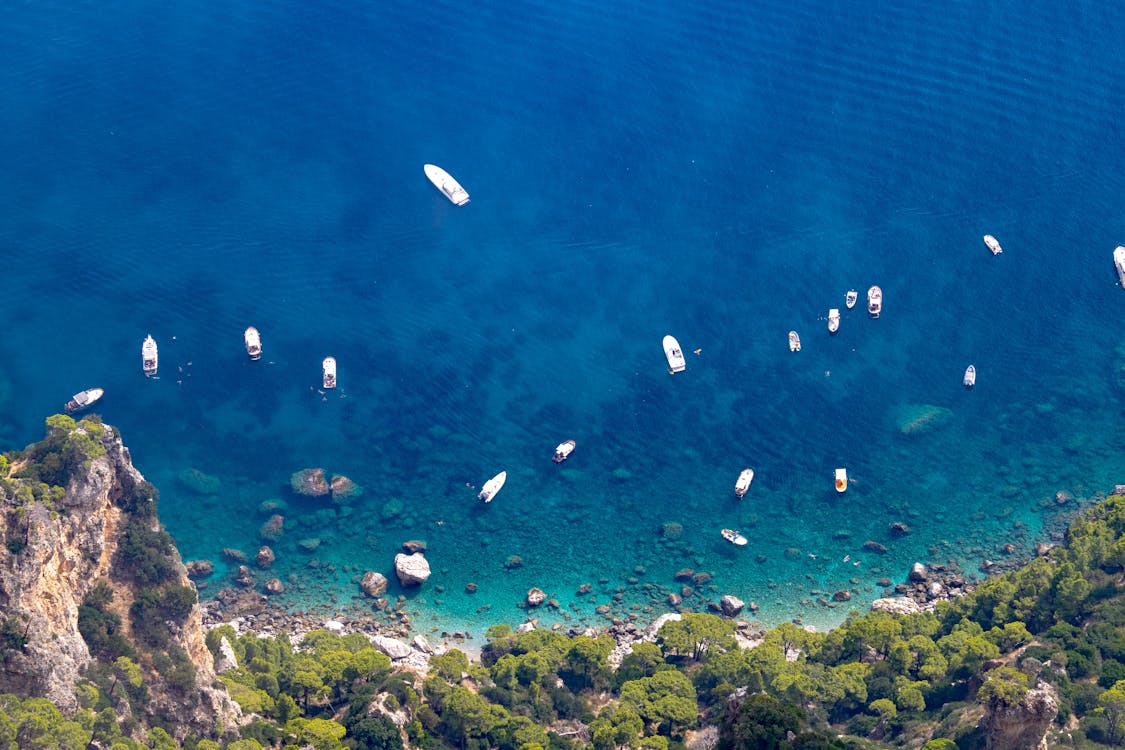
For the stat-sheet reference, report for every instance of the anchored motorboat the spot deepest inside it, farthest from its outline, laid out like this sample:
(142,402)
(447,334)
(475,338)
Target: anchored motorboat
(970,378)
(734,537)
(992,244)
(841,479)
(850,299)
(253,342)
(149,356)
(834,320)
(1119,262)
(675,355)
(492,486)
(83,400)
(794,342)
(328,370)
(874,301)
(563,451)
(743,482)
(444,182)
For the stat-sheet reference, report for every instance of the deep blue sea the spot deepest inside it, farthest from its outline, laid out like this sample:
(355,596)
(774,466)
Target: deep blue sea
(723,172)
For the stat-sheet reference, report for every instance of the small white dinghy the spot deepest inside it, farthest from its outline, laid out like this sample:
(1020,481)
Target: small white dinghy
(841,479)
(83,400)
(794,342)
(834,320)
(851,298)
(253,343)
(992,244)
(675,355)
(149,356)
(492,486)
(328,370)
(734,537)
(1119,263)
(970,376)
(743,483)
(444,182)
(563,451)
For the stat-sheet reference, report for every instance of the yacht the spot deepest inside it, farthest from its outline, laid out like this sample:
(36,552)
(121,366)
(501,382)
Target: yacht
(743,482)
(874,301)
(675,355)
(794,342)
(328,369)
(851,297)
(253,343)
(563,451)
(444,182)
(970,378)
(992,244)
(492,486)
(733,537)
(841,479)
(83,400)
(1119,262)
(149,356)
(834,320)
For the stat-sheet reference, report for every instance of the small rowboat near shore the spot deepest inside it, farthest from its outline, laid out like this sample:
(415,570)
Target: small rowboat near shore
(1119,263)
(992,244)
(841,479)
(674,354)
(794,342)
(970,378)
(874,301)
(328,370)
(563,451)
(83,400)
(734,537)
(743,482)
(444,182)
(253,343)
(834,320)
(492,486)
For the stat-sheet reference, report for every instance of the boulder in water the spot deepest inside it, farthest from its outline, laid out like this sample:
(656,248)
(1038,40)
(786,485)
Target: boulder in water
(309,482)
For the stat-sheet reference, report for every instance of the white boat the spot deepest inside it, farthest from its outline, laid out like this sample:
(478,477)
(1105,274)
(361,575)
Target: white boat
(970,376)
(83,400)
(992,244)
(794,342)
(563,451)
(1119,262)
(851,297)
(253,342)
(328,369)
(733,537)
(841,479)
(834,320)
(444,182)
(874,301)
(149,356)
(675,355)
(492,486)
(743,482)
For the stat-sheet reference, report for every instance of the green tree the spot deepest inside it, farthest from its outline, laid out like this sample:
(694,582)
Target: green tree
(466,715)
(695,634)
(940,743)
(1003,687)
(588,661)
(644,660)
(450,665)
(761,722)
(1111,704)
(615,727)
(667,699)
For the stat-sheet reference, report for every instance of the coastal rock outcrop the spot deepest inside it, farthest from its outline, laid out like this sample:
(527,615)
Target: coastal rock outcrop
(65,551)
(1022,726)
(373,584)
(731,605)
(412,570)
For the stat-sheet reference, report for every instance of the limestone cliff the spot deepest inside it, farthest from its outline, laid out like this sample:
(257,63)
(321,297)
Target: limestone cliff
(1022,726)
(66,503)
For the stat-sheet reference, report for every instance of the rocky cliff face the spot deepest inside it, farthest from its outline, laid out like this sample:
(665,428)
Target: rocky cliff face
(1022,726)
(57,549)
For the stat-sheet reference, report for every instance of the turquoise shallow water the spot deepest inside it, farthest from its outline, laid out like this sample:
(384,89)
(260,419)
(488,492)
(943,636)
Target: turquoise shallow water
(722,174)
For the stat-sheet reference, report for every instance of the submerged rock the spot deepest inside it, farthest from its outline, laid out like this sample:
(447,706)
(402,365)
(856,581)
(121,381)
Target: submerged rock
(309,482)
(199,483)
(265,557)
(918,419)
(373,584)
(535,597)
(343,489)
(272,529)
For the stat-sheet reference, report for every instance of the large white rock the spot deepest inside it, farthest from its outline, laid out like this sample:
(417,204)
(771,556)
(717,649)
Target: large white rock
(393,648)
(412,570)
(899,605)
